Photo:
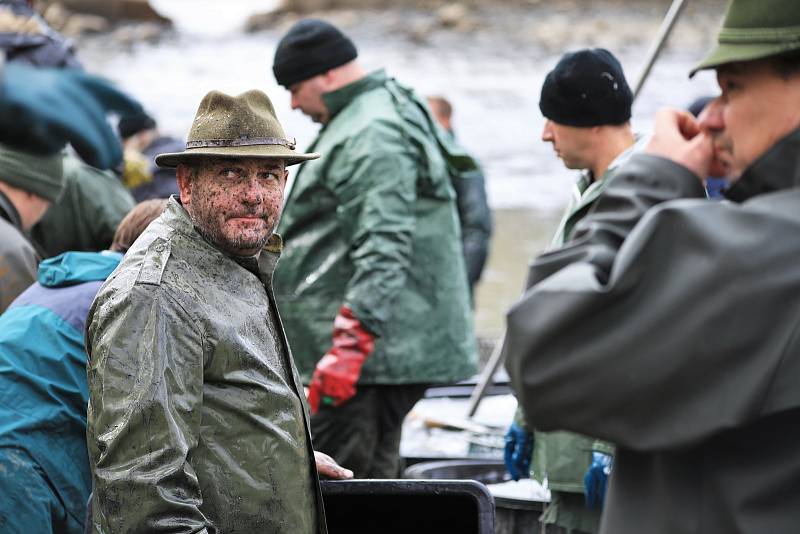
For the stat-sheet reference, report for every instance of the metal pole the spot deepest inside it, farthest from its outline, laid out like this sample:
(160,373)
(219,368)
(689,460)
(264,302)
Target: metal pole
(658,45)
(486,377)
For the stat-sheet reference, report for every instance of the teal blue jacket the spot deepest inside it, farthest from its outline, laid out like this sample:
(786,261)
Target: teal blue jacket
(43,389)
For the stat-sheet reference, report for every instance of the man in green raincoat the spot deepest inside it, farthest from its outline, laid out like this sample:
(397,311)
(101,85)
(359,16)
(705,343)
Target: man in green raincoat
(372,286)
(612,336)
(586,103)
(196,419)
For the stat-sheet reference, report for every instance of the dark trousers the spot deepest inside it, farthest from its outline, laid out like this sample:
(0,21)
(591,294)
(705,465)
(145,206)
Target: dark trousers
(363,434)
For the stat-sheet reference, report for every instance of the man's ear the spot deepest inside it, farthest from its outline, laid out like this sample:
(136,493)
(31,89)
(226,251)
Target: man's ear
(183,174)
(330,80)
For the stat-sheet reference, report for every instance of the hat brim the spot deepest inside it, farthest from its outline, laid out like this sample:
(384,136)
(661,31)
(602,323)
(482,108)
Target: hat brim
(290,157)
(725,53)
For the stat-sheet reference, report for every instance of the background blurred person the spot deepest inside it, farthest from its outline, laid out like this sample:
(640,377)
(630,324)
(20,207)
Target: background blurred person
(716,182)
(29,184)
(87,214)
(474,214)
(94,201)
(44,109)
(25,36)
(45,478)
(142,142)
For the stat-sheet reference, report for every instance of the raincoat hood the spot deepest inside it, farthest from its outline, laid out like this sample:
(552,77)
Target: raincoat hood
(75,267)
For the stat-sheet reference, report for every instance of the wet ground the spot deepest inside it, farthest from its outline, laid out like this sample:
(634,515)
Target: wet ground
(490,63)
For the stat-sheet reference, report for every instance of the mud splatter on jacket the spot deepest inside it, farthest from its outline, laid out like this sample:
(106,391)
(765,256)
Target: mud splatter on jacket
(197,421)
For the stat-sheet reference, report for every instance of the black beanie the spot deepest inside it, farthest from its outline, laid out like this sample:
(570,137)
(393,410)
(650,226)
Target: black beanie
(311,47)
(587,88)
(130,125)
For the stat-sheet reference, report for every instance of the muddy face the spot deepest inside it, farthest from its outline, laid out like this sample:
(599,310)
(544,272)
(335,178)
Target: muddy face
(234,203)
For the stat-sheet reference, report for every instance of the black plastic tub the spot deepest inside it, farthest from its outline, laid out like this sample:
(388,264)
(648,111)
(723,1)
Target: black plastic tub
(512,516)
(408,507)
(484,471)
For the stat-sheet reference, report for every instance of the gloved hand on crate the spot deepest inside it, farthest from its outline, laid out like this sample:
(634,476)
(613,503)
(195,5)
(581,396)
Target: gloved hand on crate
(518,451)
(334,379)
(596,479)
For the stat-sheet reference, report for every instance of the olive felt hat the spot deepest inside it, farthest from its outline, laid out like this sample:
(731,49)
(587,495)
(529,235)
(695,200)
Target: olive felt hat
(755,29)
(243,126)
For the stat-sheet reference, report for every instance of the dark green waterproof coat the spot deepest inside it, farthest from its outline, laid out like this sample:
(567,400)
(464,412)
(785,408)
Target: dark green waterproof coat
(372,224)
(196,419)
(86,216)
(675,323)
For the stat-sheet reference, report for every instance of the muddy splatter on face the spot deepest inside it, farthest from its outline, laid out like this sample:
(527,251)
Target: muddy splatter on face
(234,203)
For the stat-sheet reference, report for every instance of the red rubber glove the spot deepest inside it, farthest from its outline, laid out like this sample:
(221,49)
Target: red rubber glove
(334,379)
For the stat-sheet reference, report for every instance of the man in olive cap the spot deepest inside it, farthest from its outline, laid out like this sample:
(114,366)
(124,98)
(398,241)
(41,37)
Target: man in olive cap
(372,288)
(586,102)
(707,427)
(196,419)
(29,183)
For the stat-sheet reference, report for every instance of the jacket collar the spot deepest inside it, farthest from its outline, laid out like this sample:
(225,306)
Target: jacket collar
(777,169)
(176,217)
(9,212)
(337,100)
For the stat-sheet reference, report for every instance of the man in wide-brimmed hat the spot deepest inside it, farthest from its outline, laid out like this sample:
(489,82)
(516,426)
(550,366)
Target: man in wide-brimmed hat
(197,419)
(707,426)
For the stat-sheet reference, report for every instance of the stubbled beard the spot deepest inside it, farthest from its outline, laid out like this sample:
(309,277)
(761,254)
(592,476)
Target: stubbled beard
(208,228)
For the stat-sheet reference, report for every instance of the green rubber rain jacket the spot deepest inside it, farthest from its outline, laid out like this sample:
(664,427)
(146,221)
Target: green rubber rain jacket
(372,224)
(699,389)
(196,418)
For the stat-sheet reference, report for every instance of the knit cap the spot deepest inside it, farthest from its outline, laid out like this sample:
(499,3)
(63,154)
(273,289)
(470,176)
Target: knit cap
(311,47)
(35,173)
(587,88)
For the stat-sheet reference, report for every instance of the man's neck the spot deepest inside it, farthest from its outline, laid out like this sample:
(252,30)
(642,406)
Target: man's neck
(614,143)
(346,74)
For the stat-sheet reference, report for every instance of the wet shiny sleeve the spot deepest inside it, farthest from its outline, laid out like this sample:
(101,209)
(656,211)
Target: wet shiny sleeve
(378,206)
(656,327)
(145,386)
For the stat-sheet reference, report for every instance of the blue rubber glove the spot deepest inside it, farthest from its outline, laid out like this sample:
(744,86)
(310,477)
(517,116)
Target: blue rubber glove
(41,110)
(596,479)
(518,451)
